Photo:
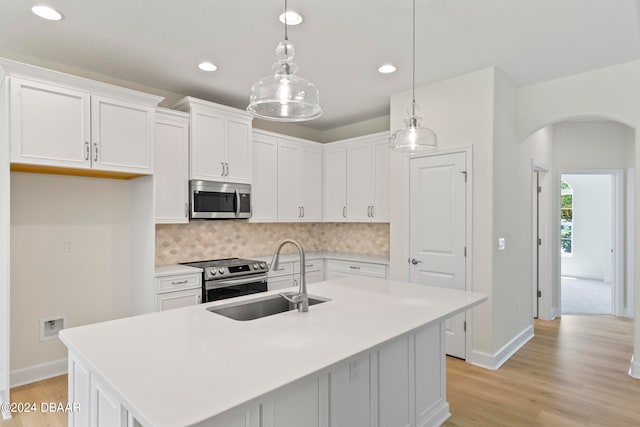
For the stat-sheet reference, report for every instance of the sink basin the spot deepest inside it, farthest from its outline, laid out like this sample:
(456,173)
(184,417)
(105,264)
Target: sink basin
(257,309)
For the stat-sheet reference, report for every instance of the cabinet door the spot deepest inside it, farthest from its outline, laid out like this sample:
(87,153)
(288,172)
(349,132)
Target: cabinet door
(334,186)
(359,181)
(315,276)
(238,140)
(121,135)
(171,170)
(207,145)
(289,208)
(280,282)
(310,192)
(106,410)
(380,193)
(170,300)
(50,125)
(264,189)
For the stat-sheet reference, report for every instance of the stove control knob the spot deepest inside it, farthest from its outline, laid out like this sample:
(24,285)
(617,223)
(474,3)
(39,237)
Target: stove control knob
(213,272)
(255,266)
(221,270)
(263,265)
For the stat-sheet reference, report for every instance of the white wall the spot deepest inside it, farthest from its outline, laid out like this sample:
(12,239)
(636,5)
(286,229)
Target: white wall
(460,112)
(592,205)
(87,284)
(612,93)
(4,242)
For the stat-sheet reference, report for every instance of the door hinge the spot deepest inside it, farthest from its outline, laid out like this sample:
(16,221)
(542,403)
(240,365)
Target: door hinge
(539,241)
(465,175)
(539,294)
(464,326)
(465,251)
(539,189)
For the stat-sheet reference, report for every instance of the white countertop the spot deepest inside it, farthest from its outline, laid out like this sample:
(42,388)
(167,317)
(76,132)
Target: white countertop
(344,256)
(183,366)
(170,270)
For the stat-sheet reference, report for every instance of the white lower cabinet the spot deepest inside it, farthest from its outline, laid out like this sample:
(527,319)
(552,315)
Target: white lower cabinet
(177,290)
(397,384)
(340,268)
(289,274)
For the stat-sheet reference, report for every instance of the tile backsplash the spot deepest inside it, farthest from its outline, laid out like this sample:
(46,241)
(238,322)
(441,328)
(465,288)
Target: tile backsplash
(202,240)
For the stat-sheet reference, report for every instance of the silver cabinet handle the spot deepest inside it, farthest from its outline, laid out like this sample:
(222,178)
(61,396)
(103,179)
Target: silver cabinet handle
(309,265)
(186,209)
(344,211)
(95,152)
(182,282)
(372,211)
(415,261)
(199,299)
(237,203)
(227,172)
(86,150)
(369,211)
(303,212)
(353,267)
(222,166)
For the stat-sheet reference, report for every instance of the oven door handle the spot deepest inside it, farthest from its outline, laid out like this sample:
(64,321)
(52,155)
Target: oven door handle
(237,203)
(217,284)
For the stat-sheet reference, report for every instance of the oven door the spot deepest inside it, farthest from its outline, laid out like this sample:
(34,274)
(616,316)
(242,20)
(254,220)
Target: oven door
(215,290)
(220,200)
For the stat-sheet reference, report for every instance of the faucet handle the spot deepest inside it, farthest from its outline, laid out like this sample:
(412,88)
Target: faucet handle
(293,298)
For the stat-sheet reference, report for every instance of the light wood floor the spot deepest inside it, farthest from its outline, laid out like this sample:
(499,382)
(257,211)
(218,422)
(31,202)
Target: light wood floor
(572,373)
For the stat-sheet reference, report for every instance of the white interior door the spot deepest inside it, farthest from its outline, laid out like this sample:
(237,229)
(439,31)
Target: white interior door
(438,231)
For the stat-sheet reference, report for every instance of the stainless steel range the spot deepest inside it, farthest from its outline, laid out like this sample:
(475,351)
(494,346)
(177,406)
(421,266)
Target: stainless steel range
(231,277)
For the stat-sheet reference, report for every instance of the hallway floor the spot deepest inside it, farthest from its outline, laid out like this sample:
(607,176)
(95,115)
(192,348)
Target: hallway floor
(582,296)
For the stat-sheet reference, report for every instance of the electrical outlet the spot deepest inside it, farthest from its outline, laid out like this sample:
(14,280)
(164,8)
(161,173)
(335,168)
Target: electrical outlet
(68,246)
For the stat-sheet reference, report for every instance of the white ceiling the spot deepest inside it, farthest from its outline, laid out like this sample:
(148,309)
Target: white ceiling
(158,43)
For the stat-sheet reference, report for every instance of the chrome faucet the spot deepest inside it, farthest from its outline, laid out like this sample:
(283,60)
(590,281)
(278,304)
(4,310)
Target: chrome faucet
(301,299)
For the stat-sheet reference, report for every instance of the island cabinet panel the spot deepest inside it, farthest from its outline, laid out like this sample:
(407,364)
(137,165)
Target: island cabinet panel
(394,384)
(106,410)
(299,405)
(430,383)
(79,392)
(349,386)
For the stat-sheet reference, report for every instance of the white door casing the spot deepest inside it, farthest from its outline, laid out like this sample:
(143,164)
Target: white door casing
(438,231)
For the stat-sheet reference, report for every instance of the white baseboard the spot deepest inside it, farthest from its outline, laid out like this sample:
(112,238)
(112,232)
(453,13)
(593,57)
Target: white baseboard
(4,397)
(494,361)
(634,369)
(38,372)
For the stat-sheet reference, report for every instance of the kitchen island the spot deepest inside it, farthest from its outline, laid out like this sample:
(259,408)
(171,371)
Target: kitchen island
(372,354)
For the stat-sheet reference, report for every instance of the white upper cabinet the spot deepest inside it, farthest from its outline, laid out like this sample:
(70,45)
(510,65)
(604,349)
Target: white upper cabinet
(335,183)
(299,181)
(171,167)
(50,125)
(367,180)
(220,148)
(264,189)
(59,125)
(121,134)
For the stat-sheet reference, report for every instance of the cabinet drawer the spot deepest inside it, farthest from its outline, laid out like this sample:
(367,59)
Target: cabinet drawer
(357,268)
(283,269)
(311,265)
(178,282)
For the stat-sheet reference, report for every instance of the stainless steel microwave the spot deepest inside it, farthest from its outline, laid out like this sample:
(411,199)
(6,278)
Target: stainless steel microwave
(219,200)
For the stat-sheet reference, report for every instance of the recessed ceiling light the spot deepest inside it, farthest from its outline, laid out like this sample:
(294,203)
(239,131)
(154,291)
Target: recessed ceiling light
(46,12)
(207,66)
(293,18)
(387,68)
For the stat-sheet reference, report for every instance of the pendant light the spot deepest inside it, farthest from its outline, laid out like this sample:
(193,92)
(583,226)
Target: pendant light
(413,137)
(284,96)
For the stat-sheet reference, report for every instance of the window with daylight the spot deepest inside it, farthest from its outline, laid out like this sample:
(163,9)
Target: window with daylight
(566,219)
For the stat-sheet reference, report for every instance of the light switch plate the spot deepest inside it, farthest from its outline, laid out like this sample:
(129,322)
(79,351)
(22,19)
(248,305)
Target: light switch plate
(501,244)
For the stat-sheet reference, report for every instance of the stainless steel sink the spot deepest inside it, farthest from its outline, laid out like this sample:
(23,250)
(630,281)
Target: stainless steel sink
(251,310)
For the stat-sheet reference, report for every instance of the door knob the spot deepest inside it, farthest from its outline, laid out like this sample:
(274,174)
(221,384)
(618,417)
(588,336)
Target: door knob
(415,261)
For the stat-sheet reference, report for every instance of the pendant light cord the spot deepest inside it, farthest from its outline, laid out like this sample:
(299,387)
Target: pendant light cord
(413,92)
(286,35)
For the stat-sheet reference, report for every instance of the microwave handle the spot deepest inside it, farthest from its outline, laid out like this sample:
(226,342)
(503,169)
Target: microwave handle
(237,203)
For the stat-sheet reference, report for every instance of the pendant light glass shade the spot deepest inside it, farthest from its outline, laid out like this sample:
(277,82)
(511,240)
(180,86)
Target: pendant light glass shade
(413,138)
(284,96)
